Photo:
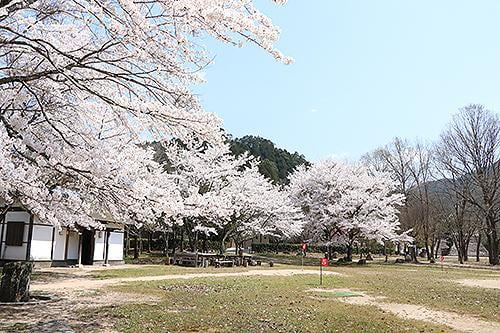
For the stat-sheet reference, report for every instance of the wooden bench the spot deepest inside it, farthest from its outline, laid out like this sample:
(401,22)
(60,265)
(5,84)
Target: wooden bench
(224,263)
(185,260)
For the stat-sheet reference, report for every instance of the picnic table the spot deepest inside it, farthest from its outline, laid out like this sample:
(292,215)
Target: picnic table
(191,259)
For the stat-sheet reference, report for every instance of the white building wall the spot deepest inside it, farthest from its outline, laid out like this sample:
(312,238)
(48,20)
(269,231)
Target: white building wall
(41,242)
(100,239)
(59,244)
(73,243)
(115,246)
(15,252)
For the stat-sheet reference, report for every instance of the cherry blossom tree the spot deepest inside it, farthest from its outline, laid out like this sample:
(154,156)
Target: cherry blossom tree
(83,83)
(344,203)
(258,208)
(227,197)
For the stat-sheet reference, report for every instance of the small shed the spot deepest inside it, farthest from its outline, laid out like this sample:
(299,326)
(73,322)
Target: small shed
(24,237)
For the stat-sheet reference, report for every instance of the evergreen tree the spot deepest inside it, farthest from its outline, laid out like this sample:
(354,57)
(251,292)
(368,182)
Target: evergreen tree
(276,163)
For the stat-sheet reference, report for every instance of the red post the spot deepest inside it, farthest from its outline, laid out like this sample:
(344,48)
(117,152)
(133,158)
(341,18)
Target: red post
(323,262)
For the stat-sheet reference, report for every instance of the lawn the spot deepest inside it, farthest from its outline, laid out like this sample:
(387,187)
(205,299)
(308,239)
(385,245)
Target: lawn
(284,304)
(248,305)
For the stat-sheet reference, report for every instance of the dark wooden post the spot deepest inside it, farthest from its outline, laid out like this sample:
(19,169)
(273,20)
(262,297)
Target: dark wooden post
(30,236)
(107,233)
(2,220)
(126,246)
(80,242)
(52,243)
(66,245)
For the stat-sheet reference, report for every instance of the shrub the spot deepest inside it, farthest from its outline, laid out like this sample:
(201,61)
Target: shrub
(288,247)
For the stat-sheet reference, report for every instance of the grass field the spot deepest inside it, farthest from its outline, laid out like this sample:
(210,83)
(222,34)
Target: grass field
(248,305)
(284,304)
(160,298)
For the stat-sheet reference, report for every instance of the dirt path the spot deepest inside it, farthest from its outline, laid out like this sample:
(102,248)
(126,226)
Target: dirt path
(462,323)
(63,314)
(490,284)
(79,283)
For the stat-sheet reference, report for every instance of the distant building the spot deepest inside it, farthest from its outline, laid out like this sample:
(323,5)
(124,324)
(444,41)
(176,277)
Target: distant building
(258,239)
(24,237)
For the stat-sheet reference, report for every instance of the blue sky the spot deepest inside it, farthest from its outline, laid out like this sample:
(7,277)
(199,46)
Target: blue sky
(365,71)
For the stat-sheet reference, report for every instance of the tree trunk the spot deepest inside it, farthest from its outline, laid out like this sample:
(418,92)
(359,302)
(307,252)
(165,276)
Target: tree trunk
(492,245)
(150,239)
(222,244)
(427,250)
(329,250)
(174,239)
(222,248)
(433,250)
(349,251)
(205,250)
(240,252)
(478,246)
(136,247)
(15,283)
(190,238)
(181,245)
(196,249)
(385,252)
(437,248)
(127,240)
(458,245)
(140,242)
(165,239)
(413,254)
(236,251)
(466,250)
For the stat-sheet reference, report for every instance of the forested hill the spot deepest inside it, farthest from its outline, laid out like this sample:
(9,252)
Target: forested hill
(276,163)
